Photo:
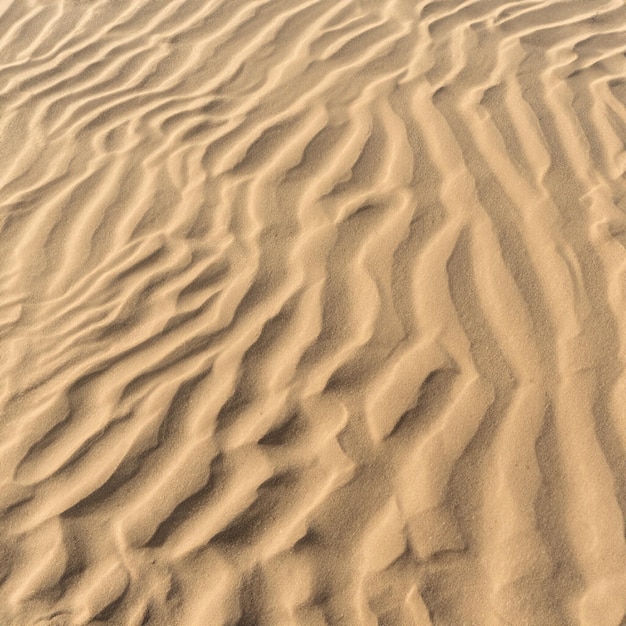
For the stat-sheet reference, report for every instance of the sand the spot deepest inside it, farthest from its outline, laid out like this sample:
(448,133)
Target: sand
(312,312)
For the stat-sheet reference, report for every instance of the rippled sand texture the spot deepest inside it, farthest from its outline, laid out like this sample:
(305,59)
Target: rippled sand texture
(312,312)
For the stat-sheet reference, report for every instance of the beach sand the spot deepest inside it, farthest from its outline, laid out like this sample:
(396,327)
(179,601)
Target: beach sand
(312,312)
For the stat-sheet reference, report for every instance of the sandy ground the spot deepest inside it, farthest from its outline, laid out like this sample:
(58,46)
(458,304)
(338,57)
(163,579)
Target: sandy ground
(312,312)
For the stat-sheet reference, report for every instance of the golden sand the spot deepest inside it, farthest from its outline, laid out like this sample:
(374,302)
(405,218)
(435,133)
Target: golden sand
(312,312)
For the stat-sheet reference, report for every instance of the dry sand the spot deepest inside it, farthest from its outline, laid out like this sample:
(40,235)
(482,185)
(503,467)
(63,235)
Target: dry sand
(312,312)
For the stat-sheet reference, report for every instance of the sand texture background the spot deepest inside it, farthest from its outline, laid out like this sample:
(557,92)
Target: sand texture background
(312,312)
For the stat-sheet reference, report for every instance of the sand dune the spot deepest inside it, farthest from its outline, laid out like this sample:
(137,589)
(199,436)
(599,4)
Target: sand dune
(312,312)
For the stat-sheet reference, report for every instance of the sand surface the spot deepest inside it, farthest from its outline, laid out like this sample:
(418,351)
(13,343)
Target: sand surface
(312,312)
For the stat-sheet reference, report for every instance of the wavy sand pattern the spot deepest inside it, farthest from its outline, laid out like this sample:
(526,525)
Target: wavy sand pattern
(313,312)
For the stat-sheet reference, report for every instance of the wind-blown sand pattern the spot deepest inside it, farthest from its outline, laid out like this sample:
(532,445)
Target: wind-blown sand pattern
(312,312)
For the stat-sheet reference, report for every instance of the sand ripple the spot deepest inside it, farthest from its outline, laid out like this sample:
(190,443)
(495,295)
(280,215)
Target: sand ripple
(312,312)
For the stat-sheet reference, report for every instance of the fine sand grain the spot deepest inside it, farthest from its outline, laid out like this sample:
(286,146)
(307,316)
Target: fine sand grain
(312,312)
